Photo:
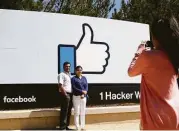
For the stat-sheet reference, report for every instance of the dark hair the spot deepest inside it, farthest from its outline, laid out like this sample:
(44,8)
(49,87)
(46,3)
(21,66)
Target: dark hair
(166,32)
(78,67)
(66,63)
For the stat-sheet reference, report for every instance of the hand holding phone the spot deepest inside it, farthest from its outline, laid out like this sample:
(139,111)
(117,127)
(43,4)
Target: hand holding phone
(149,45)
(141,47)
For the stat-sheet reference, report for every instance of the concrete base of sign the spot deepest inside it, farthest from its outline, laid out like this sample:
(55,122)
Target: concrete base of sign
(49,118)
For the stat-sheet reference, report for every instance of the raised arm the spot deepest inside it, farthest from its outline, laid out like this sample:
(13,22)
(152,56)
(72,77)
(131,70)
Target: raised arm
(139,63)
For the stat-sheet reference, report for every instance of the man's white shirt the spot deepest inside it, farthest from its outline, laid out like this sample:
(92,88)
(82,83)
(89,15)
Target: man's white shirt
(65,79)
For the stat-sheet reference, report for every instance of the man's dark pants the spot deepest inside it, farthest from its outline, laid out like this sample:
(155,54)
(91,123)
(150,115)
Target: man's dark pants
(65,113)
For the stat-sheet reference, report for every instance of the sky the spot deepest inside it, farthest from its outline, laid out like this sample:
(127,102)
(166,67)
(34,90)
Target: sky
(117,6)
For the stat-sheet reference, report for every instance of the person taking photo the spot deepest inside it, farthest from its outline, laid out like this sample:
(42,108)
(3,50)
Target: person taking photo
(159,100)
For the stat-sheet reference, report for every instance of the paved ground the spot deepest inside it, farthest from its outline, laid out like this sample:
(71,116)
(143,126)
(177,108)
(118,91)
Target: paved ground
(121,125)
(124,125)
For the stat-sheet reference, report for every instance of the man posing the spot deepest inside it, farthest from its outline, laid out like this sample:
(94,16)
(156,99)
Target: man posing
(65,89)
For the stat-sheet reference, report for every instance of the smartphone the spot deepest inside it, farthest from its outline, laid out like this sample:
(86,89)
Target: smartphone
(149,45)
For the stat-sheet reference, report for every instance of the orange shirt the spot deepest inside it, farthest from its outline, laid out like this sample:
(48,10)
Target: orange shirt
(159,100)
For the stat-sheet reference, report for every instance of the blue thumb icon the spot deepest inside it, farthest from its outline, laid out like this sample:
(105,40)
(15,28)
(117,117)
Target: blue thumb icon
(66,53)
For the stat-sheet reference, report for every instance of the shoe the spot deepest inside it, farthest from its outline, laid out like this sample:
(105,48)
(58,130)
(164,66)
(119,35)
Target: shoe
(61,129)
(83,129)
(69,129)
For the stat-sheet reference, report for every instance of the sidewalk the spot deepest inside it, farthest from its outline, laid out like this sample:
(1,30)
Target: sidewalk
(100,118)
(121,125)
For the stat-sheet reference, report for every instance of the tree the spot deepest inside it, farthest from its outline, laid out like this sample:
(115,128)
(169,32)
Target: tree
(145,11)
(95,8)
(21,5)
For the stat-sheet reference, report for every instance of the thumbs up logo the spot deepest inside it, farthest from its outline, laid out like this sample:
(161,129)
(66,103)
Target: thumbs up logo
(92,55)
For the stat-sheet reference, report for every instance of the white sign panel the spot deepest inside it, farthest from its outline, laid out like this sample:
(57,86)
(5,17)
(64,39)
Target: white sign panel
(33,45)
